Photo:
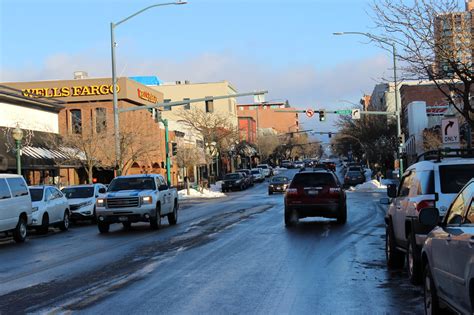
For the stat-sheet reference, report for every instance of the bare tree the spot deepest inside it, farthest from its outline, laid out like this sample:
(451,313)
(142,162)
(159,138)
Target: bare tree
(187,156)
(266,145)
(434,43)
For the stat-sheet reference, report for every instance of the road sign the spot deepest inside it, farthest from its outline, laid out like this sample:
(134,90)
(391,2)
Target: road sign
(344,112)
(355,114)
(450,130)
(309,112)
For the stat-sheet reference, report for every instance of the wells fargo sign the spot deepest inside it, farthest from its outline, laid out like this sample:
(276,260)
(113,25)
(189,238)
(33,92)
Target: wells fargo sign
(144,95)
(88,90)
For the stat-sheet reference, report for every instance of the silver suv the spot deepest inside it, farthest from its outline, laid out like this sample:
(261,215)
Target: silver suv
(424,184)
(447,255)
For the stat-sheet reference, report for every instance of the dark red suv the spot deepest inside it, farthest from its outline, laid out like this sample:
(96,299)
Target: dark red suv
(315,194)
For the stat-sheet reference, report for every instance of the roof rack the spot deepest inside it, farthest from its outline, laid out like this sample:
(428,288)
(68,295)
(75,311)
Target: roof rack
(445,153)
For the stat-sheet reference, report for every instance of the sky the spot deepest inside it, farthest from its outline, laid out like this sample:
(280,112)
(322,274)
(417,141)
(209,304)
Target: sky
(283,46)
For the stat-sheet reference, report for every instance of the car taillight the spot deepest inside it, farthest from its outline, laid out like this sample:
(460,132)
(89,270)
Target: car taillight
(424,204)
(291,191)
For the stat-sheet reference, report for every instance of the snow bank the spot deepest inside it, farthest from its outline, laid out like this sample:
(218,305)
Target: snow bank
(370,186)
(193,193)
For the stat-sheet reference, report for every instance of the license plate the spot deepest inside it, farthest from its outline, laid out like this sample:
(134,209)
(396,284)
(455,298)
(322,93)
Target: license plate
(312,192)
(123,219)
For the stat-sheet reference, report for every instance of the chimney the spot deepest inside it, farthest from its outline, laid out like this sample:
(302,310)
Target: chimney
(469,5)
(80,75)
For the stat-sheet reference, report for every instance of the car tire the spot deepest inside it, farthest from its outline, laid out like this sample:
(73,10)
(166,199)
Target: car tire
(413,262)
(289,218)
(342,216)
(241,187)
(64,225)
(94,216)
(430,298)
(395,258)
(155,222)
(103,227)
(43,229)
(173,216)
(20,231)
(270,192)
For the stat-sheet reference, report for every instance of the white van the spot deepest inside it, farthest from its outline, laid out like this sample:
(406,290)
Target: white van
(15,206)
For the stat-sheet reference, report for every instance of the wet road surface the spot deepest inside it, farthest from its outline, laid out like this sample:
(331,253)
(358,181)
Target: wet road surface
(230,255)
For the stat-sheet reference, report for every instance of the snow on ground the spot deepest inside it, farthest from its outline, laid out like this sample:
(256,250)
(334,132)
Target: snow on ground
(370,186)
(214,192)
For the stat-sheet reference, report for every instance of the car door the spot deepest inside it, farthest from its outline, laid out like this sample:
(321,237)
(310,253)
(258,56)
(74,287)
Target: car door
(61,203)
(400,206)
(49,207)
(163,195)
(8,213)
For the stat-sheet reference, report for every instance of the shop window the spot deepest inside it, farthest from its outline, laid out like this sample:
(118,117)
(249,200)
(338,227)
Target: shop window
(209,106)
(167,107)
(188,105)
(76,121)
(100,120)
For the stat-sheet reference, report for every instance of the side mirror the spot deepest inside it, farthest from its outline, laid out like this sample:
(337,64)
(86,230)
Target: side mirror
(429,216)
(385,201)
(392,190)
(163,187)
(102,190)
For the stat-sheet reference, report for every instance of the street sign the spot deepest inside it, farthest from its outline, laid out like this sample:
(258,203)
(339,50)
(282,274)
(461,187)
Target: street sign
(355,114)
(344,112)
(309,112)
(450,130)
(259,98)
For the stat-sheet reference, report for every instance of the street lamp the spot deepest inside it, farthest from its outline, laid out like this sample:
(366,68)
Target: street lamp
(397,101)
(211,149)
(114,79)
(17,135)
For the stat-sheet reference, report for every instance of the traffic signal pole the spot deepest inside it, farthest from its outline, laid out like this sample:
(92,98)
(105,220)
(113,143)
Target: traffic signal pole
(167,151)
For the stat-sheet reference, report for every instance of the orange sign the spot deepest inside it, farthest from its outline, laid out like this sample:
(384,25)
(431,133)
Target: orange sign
(147,96)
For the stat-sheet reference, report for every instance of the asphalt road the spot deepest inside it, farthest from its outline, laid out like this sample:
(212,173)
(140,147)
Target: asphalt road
(228,255)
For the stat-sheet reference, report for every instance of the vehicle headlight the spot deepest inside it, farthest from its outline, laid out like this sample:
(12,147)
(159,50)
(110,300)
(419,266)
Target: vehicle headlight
(284,186)
(100,202)
(147,200)
(87,203)
(34,209)
(238,181)
(271,186)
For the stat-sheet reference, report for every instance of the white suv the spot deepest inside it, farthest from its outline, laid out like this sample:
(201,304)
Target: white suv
(425,184)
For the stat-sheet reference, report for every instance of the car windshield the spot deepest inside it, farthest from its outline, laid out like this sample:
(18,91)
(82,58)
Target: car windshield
(36,194)
(78,192)
(313,180)
(262,166)
(232,176)
(454,177)
(132,183)
(255,172)
(353,174)
(277,179)
(354,169)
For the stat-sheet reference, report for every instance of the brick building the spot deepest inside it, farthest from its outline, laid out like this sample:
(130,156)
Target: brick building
(248,129)
(88,111)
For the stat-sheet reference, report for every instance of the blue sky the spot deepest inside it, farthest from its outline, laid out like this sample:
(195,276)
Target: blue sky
(283,46)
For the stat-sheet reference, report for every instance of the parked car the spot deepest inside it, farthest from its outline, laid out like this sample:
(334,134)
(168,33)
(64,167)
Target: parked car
(315,194)
(137,198)
(286,164)
(257,174)
(249,179)
(15,206)
(50,208)
(233,181)
(82,200)
(447,256)
(299,164)
(353,178)
(424,184)
(278,184)
(265,168)
(355,169)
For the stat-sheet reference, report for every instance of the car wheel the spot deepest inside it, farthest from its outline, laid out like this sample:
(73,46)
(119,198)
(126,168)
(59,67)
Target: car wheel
(270,192)
(431,301)
(241,187)
(394,257)
(127,225)
(19,234)
(43,229)
(64,225)
(155,222)
(173,216)
(94,216)
(103,227)
(413,261)
(291,218)
(342,217)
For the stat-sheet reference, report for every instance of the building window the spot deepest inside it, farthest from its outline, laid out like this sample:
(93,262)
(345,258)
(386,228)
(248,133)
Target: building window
(100,120)
(76,121)
(167,107)
(188,105)
(209,106)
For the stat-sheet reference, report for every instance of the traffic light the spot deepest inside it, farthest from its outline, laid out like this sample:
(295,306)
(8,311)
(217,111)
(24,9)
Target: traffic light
(174,148)
(401,139)
(322,115)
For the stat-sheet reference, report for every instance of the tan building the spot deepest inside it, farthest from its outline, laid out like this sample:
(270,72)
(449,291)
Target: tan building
(89,112)
(271,115)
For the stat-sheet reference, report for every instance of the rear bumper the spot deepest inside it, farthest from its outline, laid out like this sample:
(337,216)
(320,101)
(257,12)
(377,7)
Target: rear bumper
(315,210)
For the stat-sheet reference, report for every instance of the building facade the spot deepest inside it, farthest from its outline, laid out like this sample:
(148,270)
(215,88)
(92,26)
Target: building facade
(248,129)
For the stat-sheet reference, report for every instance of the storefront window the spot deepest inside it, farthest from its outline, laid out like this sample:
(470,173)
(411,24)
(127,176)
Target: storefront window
(209,106)
(100,120)
(76,121)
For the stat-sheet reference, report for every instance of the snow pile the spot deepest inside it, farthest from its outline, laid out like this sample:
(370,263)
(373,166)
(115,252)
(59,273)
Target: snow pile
(217,187)
(193,193)
(371,186)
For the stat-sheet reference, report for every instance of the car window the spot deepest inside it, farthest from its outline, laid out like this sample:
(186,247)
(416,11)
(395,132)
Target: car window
(456,210)
(17,186)
(313,180)
(57,193)
(470,214)
(36,194)
(4,191)
(405,185)
(48,194)
(454,177)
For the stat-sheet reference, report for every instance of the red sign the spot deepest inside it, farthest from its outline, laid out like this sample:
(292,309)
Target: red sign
(309,112)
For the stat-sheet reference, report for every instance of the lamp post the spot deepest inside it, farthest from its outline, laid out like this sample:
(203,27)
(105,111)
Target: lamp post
(113,25)
(212,151)
(17,135)
(397,101)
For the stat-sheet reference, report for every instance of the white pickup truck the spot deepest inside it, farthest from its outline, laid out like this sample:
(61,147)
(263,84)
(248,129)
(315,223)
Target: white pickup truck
(137,198)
